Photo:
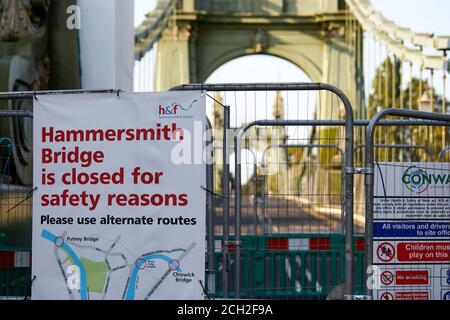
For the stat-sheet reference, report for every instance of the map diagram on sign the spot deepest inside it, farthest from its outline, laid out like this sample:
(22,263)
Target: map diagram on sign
(96,269)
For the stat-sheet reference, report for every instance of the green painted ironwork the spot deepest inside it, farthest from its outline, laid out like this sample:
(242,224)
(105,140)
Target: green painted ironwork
(14,282)
(297,273)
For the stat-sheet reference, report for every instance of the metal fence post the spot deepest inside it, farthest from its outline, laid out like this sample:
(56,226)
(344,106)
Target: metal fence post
(369,170)
(255,195)
(263,196)
(211,276)
(237,215)
(226,201)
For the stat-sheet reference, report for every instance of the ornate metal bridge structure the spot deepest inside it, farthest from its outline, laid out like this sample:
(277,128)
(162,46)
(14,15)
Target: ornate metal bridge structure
(328,40)
(346,43)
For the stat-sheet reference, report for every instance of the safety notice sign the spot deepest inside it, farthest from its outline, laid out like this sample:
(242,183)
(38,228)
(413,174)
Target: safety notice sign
(411,231)
(118,209)
(411,251)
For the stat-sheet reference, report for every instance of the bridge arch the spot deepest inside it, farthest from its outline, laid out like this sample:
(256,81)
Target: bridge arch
(301,61)
(199,45)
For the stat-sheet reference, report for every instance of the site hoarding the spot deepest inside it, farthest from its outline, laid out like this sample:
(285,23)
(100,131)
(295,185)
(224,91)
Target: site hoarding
(411,231)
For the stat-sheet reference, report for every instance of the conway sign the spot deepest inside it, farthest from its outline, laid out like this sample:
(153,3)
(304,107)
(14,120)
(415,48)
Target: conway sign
(418,180)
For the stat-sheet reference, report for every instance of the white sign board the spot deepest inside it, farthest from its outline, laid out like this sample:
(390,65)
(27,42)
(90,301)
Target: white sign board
(118,212)
(411,231)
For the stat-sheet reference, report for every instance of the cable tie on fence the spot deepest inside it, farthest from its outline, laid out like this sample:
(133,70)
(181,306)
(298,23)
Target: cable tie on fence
(28,196)
(204,290)
(201,88)
(213,193)
(349,170)
(233,243)
(118,92)
(218,102)
(382,179)
(29,288)
(35,96)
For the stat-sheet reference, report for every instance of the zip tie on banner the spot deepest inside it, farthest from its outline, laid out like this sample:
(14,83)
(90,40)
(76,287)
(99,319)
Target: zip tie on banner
(28,294)
(213,193)
(382,179)
(217,101)
(118,92)
(29,195)
(201,88)
(5,167)
(35,96)
(204,290)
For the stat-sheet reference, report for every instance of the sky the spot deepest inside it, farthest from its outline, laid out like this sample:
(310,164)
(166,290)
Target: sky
(430,16)
(141,7)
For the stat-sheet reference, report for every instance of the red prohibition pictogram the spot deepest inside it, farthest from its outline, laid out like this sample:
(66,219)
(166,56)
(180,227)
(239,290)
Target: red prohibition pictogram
(387,278)
(387,296)
(385,252)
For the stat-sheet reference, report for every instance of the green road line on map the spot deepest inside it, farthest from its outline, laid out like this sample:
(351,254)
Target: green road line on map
(95,274)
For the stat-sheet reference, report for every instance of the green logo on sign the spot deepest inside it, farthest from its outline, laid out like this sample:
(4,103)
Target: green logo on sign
(417,180)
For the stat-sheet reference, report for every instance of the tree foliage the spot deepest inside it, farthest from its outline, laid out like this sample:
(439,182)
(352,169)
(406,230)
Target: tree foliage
(387,92)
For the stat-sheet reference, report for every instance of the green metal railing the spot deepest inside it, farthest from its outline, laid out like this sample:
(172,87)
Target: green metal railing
(14,281)
(290,266)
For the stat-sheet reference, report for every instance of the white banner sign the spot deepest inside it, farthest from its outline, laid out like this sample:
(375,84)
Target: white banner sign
(118,212)
(411,231)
